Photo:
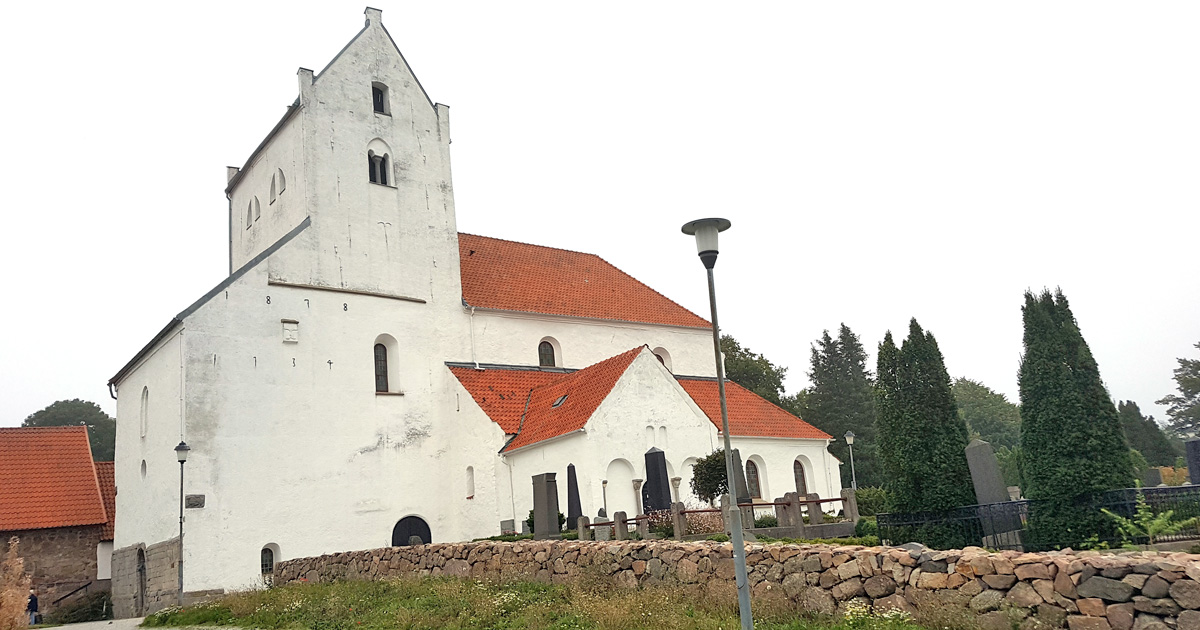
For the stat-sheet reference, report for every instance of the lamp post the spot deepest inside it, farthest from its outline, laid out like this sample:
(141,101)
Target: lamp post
(181,453)
(604,494)
(850,443)
(705,231)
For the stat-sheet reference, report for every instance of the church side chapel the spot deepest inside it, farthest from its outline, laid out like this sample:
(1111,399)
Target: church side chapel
(368,374)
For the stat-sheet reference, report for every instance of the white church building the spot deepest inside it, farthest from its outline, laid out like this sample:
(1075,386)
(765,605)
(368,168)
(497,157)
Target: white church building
(367,372)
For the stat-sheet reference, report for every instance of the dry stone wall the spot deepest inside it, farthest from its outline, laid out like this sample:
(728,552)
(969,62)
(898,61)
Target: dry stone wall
(1078,590)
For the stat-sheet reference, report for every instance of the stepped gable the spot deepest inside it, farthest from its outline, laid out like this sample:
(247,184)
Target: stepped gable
(48,479)
(750,415)
(512,276)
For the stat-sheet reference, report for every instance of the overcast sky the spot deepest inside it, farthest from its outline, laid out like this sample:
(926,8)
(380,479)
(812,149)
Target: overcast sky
(879,161)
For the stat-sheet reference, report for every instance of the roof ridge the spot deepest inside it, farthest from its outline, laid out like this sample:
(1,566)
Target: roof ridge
(587,371)
(507,240)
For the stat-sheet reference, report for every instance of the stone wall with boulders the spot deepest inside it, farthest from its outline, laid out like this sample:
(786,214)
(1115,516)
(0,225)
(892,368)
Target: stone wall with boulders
(1078,590)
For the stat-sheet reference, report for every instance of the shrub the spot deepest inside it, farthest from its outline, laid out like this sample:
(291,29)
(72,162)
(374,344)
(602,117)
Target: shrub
(14,588)
(562,520)
(867,526)
(768,520)
(873,500)
(719,537)
(660,523)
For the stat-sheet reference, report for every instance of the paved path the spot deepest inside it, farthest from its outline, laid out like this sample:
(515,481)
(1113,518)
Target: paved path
(113,624)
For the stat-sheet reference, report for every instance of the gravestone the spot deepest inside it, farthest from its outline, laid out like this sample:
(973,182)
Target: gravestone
(656,493)
(545,507)
(985,473)
(574,511)
(1001,526)
(508,526)
(739,472)
(1151,477)
(603,529)
(1193,460)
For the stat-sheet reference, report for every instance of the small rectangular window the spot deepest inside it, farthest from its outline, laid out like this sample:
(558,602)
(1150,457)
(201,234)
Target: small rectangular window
(379,99)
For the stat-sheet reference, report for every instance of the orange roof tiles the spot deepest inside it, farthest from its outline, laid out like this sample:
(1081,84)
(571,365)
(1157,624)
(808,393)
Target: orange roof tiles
(512,276)
(108,490)
(502,393)
(47,479)
(750,415)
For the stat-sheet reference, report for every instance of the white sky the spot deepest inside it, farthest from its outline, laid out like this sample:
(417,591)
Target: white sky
(879,160)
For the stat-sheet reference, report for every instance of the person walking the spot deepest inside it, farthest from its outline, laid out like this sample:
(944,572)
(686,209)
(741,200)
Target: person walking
(32,607)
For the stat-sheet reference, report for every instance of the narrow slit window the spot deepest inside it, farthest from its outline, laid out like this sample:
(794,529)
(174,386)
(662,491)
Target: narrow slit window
(752,480)
(545,354)
(381,367)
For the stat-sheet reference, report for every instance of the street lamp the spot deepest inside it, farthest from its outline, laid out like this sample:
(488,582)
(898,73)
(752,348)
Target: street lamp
(705,231)
(850,443)
(181,453)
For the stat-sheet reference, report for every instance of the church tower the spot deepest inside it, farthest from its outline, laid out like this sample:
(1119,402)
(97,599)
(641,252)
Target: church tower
(362,156)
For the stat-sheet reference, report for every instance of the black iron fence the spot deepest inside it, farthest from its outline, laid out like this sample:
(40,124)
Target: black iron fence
(1042,525)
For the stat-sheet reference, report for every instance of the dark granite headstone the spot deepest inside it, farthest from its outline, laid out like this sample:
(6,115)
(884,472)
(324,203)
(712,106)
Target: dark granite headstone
(739,472)
(1151,477)
(656,493)
(1193,460)
(545,507)
(985,473)
(574,511)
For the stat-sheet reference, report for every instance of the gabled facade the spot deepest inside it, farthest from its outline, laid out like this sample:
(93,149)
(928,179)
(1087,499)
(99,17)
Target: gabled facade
(362,374)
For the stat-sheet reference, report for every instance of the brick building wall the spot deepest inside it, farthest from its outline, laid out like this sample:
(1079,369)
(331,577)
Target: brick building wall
(59,559)
(133,597)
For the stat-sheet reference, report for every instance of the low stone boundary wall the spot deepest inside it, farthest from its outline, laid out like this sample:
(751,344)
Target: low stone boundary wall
(1080,590)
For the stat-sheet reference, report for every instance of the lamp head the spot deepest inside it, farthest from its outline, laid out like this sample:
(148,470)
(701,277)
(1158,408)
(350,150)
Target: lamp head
(181,452)
(849,438)
(705,231)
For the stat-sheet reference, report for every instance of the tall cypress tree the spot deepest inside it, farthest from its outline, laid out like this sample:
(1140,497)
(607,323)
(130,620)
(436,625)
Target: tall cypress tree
(921,436)
(841,399)
(1145,435)
(1071,438)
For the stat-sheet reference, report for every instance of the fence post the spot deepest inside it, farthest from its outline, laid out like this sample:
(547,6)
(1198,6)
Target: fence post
(781,513)
(643,527)
(621,526)
(850,504)
(678,520)
(815,515)
(795,513)
(582,526)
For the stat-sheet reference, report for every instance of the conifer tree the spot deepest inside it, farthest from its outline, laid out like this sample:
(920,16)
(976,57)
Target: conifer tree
(1145,436)
(841,399)
(921,436)
(1071,438)
(1184,408)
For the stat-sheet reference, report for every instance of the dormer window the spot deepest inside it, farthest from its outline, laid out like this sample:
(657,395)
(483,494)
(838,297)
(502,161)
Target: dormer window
(378,165)
(379,99)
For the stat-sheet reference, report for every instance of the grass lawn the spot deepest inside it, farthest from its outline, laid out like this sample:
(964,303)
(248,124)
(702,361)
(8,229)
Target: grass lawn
(461,603)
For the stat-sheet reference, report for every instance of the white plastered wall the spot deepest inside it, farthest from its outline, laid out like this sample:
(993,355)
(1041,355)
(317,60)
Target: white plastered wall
(275,219)
(775,457)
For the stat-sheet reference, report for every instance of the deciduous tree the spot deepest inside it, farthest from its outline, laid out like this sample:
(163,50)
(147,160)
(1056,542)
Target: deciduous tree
(987,413)
(752,371)
(708,476)
(102,428)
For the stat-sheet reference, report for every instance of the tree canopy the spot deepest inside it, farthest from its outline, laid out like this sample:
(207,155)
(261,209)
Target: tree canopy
(988,414)
(1184,407)
(921,436)
(841,398)
(752,371)
(1145,436)
(708,476)
(102,428)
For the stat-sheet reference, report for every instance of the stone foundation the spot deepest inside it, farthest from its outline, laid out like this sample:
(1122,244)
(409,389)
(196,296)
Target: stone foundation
(59,560)
(161,579)
(1081,591)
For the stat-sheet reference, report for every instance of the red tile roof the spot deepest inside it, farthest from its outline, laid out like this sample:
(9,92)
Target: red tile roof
(502,393)
(750,415)
(512,276)
(108,490)
(47,479)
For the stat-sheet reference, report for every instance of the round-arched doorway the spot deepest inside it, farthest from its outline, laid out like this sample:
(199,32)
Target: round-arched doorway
(408,527)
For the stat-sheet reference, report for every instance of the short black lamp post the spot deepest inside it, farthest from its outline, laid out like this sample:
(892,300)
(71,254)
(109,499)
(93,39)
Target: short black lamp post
(705,231)
(850,443)
(181,453)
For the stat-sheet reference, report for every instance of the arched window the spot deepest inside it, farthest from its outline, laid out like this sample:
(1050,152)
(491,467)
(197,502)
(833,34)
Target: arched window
(266,563)
(545,354)
(379,98)
(257,208)
(663,357)
(278,184)
(145,410)
(378,165)
(801,484)
(381,374)
(470,482)
(752,480)
(249,214)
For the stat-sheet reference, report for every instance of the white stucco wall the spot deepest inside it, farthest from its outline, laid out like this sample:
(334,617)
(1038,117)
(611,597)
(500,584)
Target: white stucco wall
(512,339)
(275,218)
(775,456)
